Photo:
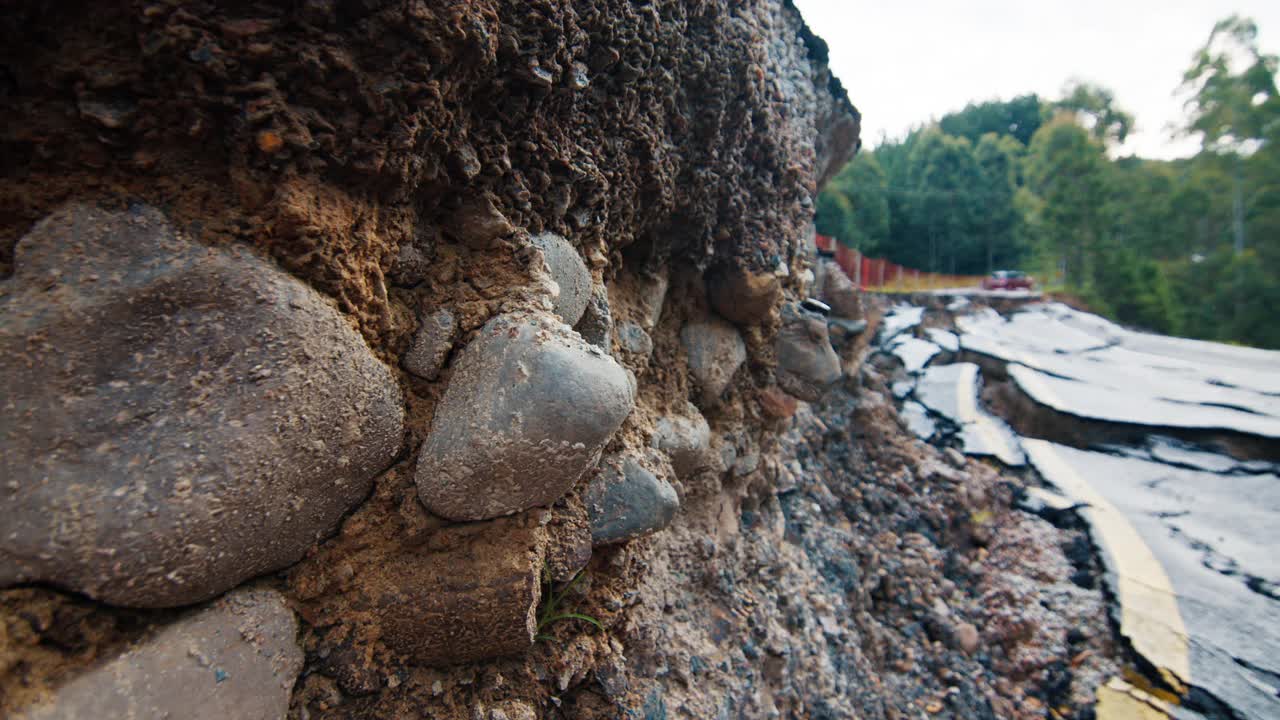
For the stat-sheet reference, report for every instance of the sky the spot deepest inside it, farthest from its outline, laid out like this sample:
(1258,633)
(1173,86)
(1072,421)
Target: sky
(906,63)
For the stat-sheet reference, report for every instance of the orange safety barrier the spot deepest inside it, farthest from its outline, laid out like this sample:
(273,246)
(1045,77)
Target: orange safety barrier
(883,276)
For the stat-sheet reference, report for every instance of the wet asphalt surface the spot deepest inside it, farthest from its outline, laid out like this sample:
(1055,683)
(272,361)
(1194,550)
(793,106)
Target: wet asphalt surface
(1189,534)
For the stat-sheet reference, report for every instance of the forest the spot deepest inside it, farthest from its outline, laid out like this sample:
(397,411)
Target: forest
(1187,247)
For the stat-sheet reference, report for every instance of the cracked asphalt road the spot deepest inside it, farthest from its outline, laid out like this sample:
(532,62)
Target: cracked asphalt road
(1187,532)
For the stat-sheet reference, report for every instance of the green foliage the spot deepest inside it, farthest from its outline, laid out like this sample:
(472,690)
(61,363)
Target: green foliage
(1094,108)
(1066,170)
(1232,109)
(998,158)
(1018,118)
(550,613)
(943,200)
(854,207)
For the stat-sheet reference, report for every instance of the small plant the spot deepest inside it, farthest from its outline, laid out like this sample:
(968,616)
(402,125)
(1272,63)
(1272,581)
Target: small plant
(550,612)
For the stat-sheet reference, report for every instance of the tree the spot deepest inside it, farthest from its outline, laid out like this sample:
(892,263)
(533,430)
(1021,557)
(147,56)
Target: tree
(1235,111)
(1018,118)
(1232,110)
(998,157)
(942,189)
(1065,170)
(854,207)
(1094,107)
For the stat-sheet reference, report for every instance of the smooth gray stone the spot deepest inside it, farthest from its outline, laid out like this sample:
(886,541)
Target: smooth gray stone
(716,351)
(633,339)
(807,364)
(529,406)
(625,501)
(596,324)
(686,439)
(569,272)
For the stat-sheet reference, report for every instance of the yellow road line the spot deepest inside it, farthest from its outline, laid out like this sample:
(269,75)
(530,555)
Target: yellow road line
(1118,700)
(1149,614)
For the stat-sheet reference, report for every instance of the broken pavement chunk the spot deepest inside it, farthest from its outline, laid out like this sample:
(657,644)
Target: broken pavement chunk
(526,413)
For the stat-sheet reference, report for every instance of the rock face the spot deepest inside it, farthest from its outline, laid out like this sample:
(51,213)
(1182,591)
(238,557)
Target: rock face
(625,501)
(178,418)
(570,273)
(435,337)
(237,658)
(716,351)
(526,413)
(807,364)
(397,156)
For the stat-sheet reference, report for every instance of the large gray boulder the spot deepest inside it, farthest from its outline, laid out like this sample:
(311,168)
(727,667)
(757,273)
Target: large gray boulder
(527,411)
(569,272)
(176,418)
(237,658)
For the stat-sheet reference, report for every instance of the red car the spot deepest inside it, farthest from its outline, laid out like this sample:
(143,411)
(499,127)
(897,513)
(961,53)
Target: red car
(1007,280)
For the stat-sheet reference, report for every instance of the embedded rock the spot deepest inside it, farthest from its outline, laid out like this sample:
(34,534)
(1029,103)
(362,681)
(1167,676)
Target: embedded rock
(743,296)
(570,273)
(596,324)
(625,501)
(633,339)
(716,351)
(237,658)
(807,364)
(178,418)
(470,593)
(651,291)
(527,411)
(834,288)
(436,335)
(686,439)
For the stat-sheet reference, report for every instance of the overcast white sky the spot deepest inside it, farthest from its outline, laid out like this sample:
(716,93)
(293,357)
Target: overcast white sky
(907,62)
